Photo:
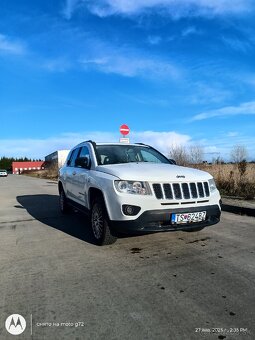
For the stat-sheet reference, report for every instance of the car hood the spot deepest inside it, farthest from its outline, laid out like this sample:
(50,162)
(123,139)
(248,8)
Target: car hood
(153,172)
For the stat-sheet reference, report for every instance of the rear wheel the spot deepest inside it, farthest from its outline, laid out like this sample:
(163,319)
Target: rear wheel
(64,207)
(100,224)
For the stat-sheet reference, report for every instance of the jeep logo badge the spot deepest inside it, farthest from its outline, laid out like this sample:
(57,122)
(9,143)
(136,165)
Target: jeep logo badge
(180,176)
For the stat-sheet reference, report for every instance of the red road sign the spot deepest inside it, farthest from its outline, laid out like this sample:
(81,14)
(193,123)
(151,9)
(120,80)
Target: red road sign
(124,130)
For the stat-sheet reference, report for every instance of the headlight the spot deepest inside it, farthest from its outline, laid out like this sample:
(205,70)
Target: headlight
(212,185)
(133,187)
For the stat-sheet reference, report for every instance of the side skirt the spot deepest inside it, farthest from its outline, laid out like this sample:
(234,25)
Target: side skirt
(78,206)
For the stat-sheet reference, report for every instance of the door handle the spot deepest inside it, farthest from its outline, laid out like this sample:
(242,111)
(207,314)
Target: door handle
(74,173)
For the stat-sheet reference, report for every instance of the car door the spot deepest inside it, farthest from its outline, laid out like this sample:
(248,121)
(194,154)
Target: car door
(80,185)
(71,173)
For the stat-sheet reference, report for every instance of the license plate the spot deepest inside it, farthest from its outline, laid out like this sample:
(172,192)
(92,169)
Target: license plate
(188,217)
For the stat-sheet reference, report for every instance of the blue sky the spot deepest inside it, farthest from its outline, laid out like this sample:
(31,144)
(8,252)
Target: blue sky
(177,72)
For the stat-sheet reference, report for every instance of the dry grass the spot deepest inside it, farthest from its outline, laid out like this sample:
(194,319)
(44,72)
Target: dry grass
(233,180)
(230,180)
(49,173)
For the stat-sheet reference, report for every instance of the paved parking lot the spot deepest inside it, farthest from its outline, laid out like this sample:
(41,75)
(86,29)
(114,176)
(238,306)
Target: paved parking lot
(162,286)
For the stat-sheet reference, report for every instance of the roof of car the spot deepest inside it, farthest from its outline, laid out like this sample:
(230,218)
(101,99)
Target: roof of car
(131,144)
(111,143)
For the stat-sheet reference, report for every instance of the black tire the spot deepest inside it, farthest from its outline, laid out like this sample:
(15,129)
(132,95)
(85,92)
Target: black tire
(192,230)
(64,207)
(100,224)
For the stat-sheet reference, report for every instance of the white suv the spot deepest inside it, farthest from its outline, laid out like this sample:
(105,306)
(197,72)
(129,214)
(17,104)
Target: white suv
(132,188)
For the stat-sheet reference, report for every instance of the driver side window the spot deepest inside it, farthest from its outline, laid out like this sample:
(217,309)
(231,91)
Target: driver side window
(74,155)
(84,152)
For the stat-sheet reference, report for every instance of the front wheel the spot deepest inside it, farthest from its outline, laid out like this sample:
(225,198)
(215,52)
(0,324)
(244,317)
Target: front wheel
(100,224)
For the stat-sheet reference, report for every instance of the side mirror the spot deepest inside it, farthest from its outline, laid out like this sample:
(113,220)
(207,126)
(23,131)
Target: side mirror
(82,162)
(172,161)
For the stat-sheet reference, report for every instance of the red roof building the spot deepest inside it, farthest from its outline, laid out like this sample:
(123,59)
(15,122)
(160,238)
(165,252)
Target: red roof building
(19,167)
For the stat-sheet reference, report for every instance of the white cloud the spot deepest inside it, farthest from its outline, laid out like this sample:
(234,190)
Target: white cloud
(242,109)
(174,8)
(9,46)
(190,31)
(163,141)
(127,61)
(57,65)
(154,39)
(70,7)
(39,148)
(232,134)
(204,93)
(237,44)
(221,145)
(130,64)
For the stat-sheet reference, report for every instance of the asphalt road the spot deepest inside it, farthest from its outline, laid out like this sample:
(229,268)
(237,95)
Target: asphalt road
(162,286)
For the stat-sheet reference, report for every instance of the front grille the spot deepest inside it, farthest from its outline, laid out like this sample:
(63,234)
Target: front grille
(168,191)
(193,190)
(200,189)
(179,191)
(185,190)
(158,191)
(206,186)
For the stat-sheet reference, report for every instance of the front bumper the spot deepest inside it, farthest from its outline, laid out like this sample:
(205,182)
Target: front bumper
(160,220)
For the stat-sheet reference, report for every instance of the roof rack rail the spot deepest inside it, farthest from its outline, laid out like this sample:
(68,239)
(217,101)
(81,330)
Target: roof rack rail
(142,144)
(89,141)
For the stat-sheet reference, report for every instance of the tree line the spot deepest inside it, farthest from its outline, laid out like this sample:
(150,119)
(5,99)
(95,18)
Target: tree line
(6,162)
(194,154)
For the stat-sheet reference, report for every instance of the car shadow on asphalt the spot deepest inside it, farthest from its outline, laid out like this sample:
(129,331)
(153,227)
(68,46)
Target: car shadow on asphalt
(45,208)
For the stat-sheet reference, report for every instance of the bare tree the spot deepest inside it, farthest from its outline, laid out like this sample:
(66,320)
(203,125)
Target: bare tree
(218,160)
(196,154)
(239,153)
(179,154)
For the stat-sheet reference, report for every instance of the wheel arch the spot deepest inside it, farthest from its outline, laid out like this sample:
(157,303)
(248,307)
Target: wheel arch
(93,193)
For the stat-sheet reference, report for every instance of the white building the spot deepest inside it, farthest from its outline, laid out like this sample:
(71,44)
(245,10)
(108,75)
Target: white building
(57,157)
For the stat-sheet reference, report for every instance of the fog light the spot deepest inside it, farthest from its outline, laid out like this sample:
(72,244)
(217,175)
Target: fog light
(130,210)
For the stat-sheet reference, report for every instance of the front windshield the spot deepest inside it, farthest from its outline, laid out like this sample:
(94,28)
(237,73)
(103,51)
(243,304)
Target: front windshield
(116,154)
